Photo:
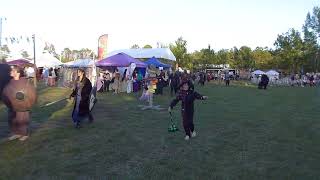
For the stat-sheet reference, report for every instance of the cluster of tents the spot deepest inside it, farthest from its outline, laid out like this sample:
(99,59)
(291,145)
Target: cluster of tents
(44,60)
(272,74)
(118,60)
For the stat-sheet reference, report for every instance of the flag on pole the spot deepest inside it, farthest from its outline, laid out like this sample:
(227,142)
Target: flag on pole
(102,49)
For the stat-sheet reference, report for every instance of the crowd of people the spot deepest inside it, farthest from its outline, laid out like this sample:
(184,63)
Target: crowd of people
(152,82)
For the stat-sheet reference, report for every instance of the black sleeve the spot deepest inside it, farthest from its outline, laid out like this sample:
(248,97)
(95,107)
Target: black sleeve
(175,101)
(197,95)
(73,94)
(86,90)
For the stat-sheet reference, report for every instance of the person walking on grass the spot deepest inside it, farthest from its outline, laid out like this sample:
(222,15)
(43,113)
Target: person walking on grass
(187,96)
(227,78)
(81,93)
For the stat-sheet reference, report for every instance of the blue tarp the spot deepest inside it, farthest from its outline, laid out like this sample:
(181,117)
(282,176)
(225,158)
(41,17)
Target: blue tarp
(154,61)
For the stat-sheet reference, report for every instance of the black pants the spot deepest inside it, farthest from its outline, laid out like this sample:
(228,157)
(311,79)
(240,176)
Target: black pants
(188,123)
(173,88)
(106,85)
(227,82)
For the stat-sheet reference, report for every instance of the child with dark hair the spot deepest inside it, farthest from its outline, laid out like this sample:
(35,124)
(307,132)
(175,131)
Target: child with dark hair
(187,96)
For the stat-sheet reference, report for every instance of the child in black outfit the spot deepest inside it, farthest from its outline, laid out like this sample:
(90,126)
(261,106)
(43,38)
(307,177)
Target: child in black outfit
(187,95)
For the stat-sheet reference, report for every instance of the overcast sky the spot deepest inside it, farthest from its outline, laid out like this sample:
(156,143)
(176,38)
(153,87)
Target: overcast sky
(221,23)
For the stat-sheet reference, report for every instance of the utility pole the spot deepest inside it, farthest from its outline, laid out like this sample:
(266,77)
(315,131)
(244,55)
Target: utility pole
(1,18)
(34,60)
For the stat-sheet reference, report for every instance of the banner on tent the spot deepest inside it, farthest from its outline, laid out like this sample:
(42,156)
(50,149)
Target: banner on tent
(102,49)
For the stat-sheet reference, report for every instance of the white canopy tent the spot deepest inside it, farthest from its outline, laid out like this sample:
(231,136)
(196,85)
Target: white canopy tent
(146,53)
(258,72)
(80,63)
(47,60)
(272,74)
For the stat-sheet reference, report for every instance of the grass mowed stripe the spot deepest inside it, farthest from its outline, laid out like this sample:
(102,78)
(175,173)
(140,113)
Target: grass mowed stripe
(243,133)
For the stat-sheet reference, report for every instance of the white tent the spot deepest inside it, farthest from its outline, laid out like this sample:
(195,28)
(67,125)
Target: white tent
(258,72)
(146,53)
(47,60)
(80,63)
(272,74)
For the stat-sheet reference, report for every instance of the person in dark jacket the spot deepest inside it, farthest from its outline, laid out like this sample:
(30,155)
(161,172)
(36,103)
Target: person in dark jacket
(187,96)
(81,93)
(202,78)
(174,83)
(264,82)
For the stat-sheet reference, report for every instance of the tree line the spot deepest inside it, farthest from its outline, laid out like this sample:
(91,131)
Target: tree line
(294,51)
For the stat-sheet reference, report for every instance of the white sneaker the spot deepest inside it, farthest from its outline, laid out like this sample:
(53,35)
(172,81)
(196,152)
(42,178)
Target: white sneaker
(194,134)
(23,138)
(11,138)
(187,138)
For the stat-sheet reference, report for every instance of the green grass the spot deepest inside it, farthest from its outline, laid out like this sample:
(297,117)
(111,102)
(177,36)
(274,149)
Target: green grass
(243,133)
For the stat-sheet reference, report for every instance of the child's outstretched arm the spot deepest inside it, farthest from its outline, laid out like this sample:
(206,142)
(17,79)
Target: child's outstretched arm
(199,96)
(174,102)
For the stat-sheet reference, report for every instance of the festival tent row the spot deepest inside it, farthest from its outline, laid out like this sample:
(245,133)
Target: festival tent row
(47,60)
(79,63)
(146,53)
(120,60)
(20,62)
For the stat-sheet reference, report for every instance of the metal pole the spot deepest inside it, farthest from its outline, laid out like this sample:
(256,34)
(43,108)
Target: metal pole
(0,31)
(34,60)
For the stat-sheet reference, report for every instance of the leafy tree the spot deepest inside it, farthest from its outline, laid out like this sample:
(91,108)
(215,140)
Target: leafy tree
(289,47)
(179,49)
(51,49)
(311,30)
(66,55)
(135,46)
(25,54)
(245,58)
(4,52)
(263,58)
(147,46)
(223,56)
(208,56)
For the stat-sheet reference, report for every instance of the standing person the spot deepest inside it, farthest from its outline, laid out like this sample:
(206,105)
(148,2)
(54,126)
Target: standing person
(81,94)
(202,79)
(100,83)
(160,83)
(264,82)
(227,78)
(107,81)
(19,96)
(123,87)
(174,83)
(187,96)
(116,83)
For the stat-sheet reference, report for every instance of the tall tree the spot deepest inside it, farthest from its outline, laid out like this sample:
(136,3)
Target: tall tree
(311,30)
(135,46)
(25,54)
(147,46)
(179,49)
(223,56)
(66,55)
(290,48)
(245,58)
(263,58)
(4,52)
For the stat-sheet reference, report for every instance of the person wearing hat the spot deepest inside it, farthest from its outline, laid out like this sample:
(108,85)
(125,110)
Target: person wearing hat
(81,94)
(187,96)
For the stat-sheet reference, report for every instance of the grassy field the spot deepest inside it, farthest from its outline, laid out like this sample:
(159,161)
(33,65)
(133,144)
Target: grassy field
(243,133)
